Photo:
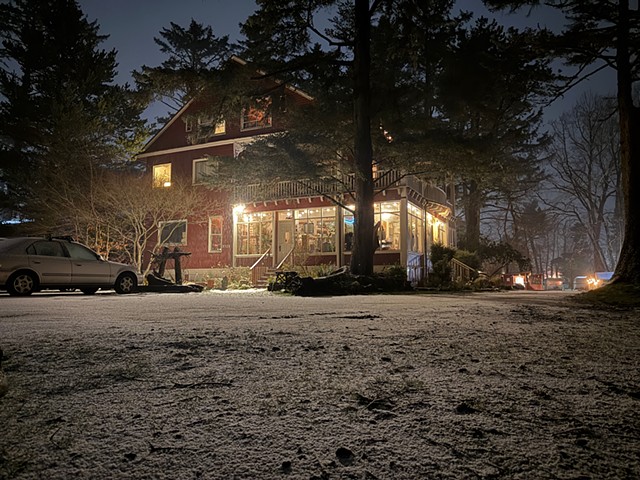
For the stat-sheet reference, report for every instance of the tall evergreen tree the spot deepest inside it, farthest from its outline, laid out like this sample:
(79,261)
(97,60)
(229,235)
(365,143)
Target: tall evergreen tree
(61,115)
(193,54)
(601,34)
(283,38)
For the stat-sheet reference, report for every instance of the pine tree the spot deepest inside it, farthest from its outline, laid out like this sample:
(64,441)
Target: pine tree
(193,55)
(61,116)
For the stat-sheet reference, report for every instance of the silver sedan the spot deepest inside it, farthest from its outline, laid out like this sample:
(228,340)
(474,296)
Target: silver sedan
(30,264)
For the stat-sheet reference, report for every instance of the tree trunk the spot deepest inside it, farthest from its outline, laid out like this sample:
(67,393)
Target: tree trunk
(363,247)
(628,268)
(472,204)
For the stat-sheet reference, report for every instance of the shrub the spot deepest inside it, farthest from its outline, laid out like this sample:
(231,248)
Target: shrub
(441,263)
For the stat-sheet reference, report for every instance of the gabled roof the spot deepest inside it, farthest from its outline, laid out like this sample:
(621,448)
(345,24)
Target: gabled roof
(180,112)
(173,118)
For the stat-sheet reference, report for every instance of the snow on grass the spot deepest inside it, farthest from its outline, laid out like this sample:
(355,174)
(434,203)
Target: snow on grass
(255,385)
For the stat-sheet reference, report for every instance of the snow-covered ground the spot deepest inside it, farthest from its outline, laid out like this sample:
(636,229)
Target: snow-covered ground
(253,385)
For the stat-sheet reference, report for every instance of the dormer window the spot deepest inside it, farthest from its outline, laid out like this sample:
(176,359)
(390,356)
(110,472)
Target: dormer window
(257,114)
(207,121)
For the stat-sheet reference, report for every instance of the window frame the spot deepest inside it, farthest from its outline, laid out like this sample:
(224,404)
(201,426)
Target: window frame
(161,226)
(210,235)
(217,128)
(255,107)
(213,167)
(161,182)
(254,230)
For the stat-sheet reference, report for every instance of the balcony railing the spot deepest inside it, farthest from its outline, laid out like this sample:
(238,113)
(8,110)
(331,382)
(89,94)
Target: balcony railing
(335,186)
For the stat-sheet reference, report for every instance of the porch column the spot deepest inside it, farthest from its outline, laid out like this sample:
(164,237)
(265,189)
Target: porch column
(339,236)
(404,228)
(275,221)
(235,211)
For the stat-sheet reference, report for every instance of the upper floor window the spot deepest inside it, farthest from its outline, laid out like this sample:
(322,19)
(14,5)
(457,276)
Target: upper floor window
(207,122)
(162,175)
(203,170)
(206,125)
(257,114)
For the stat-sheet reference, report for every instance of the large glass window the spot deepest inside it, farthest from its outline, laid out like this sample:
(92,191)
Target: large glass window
(415,240)
(215,234)
(386,218)
(173,233)
(162,175)
(257,114)
(387,215)
(349,222)
(437,230)
(316,230)
(254,233)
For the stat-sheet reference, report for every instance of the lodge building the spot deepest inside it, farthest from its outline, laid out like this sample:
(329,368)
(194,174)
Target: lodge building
(288,224)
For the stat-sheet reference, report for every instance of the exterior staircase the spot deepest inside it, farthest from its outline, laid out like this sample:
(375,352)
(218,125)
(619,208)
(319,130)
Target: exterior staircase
(262,279)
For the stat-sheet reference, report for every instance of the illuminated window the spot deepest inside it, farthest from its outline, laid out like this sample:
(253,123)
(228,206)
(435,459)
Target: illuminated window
(207,121)
(316,230)
(162,175)
(173,233)
(215,234)
(387,217)
(415,241)
(257,115)
(203,170)
(220,128)
(254,233)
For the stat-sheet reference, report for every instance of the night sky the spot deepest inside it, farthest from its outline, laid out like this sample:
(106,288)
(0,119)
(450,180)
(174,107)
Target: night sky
(132,25)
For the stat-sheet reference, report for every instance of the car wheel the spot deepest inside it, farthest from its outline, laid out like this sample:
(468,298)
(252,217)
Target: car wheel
(22,283)
(126,283)
(89,291)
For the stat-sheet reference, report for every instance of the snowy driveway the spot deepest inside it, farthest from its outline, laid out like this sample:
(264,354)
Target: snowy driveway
(514,385)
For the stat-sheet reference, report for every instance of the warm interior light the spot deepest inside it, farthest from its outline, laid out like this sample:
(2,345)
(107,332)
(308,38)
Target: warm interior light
(238,210)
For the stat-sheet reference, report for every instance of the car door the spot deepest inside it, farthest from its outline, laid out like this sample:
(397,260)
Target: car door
(50,261)
(87,267)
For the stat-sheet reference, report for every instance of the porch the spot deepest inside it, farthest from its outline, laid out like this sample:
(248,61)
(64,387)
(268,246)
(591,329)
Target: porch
(297,224)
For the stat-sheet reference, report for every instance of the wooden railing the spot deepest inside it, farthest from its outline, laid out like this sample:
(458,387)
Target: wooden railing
(285,259)
(415,269)
(461,272)
(333,186)
(259,268)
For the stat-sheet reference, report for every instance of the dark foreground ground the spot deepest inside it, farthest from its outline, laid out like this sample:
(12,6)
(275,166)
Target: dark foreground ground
(253,385)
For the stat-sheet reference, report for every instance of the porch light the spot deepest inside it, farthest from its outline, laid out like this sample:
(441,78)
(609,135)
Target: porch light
(166,184)
(238,210)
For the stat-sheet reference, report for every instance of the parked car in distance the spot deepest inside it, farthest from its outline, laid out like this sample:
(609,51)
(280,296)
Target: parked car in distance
(31,264)
(553,284)
(581,282)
